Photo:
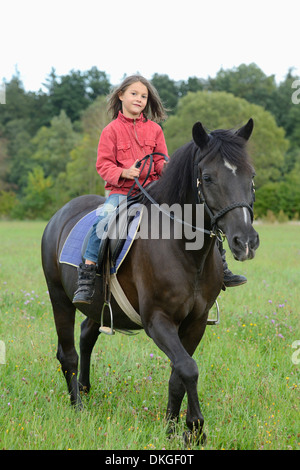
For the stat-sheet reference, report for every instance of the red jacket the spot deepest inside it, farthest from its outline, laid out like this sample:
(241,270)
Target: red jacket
(124,141)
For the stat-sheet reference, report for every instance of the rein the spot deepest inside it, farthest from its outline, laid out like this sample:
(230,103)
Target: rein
(215,231)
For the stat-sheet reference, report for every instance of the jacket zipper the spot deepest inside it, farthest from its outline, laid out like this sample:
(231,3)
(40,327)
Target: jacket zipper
(137,139)
(135,133)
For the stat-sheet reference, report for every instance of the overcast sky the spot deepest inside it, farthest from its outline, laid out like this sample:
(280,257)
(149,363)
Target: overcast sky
(179,38)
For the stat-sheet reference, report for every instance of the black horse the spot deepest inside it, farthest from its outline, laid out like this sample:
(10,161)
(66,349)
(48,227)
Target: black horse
(171,287)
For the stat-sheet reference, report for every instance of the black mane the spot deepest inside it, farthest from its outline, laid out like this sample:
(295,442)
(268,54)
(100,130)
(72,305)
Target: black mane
(177,177)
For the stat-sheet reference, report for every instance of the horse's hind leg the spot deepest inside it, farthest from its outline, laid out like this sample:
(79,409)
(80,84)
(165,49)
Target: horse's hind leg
(88,338)
(64,316)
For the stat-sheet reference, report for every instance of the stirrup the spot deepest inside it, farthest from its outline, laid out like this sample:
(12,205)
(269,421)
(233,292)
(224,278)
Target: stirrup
(215,321)
(107,330)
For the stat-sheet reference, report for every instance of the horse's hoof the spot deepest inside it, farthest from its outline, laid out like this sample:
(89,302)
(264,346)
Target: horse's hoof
(77,404)
(191,438)
(84,388)
(203,439)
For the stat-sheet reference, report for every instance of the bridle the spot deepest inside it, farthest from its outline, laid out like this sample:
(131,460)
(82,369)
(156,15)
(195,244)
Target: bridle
(201,198)
(215,230)
(215,217)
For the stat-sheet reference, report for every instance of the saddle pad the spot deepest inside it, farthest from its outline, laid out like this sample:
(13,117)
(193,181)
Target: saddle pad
(71,251)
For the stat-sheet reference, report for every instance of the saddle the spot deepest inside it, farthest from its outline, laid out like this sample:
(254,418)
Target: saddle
(117,237)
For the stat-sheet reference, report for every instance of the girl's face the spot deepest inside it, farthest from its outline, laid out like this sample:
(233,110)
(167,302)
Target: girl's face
(134,100)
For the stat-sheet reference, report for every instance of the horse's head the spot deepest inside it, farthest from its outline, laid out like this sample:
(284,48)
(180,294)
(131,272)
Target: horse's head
(225,184)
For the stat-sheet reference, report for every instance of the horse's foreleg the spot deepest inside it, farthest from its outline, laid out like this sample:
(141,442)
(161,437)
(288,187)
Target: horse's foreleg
(64,316)
(88,338)
(176,394)
(164,333)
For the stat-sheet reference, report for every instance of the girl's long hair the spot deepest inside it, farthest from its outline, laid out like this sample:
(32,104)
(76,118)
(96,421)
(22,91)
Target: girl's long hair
(154,109)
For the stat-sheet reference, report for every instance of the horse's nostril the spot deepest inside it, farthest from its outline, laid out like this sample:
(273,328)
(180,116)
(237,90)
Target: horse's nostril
(238,242)
(255,243)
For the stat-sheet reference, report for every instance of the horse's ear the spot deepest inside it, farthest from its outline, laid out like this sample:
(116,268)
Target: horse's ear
(200,136)
(246,130)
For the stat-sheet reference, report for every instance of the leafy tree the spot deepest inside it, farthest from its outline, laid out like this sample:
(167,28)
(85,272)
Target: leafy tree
(8,202)
(38,111)
(288,112)
(282,197)
(283,104)
(53,145)
(193,84)
(68,94)
(37,200)
(97,83)
(75,91)
(16,101)
(248,82)
(20,149)
(223,110)
(167,90)
(3,164)
(81,176)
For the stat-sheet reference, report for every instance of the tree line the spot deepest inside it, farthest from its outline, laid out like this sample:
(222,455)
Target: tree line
(48,139)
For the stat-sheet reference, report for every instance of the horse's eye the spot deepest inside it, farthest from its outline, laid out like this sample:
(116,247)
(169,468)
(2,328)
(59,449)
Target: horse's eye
(207,178)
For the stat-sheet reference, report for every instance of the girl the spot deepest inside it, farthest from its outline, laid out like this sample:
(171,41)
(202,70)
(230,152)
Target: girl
(128,138)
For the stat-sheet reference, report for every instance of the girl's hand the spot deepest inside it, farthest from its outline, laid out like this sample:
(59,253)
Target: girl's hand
(131,173)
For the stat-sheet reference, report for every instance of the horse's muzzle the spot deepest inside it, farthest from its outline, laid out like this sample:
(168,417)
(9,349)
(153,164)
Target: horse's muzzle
(243,247)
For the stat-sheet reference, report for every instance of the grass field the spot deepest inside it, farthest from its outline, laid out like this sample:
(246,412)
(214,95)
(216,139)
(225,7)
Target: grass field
(248,365)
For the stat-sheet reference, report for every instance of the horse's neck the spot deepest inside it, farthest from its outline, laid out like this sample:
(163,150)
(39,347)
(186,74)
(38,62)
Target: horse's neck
(204,255)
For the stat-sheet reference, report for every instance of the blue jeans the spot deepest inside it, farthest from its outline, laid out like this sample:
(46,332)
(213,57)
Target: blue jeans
(99,227)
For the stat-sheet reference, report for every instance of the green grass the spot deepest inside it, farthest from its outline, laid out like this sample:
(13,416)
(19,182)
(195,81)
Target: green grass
(248,383)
